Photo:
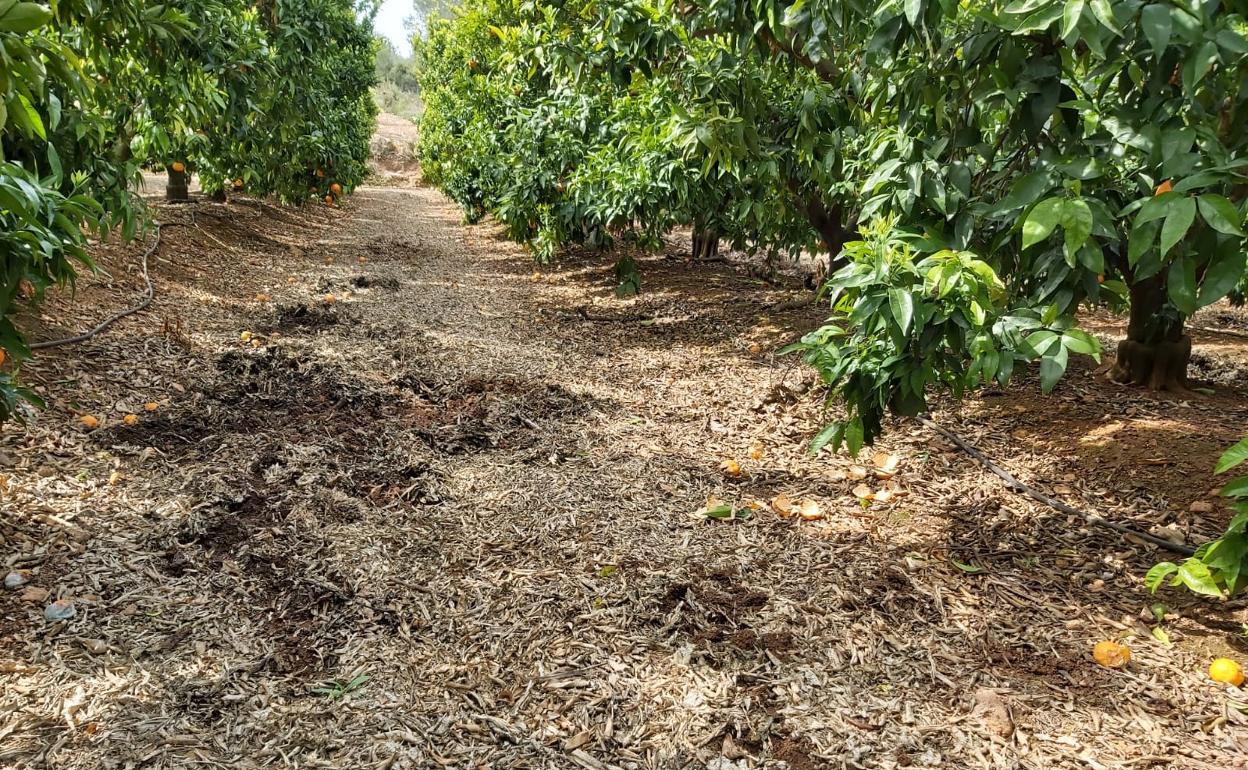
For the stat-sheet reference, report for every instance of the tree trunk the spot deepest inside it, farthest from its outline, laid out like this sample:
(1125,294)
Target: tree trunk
(705,243)
(828,222)
(177,188)
(1156,352)
(217,196)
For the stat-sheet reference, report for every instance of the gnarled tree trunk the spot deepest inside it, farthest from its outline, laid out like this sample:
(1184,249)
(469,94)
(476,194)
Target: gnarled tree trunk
(1156,352)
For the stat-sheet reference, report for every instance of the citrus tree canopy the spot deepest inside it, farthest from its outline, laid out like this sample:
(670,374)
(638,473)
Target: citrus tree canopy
(976,170)
(272,95)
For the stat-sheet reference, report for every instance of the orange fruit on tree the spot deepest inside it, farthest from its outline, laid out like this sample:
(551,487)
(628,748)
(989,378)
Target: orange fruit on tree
(178,166)
(3,356)
(1227,671)
(90,422)
(320,173)
(335,188)
(1111,654)
(1164,188)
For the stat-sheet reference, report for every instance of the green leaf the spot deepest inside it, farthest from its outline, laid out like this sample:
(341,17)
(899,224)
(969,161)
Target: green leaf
(1178,221)
(1160,635)
(1232,457)
(1223,274)
(1158,574)
(1198,65)
(1026,191)
(1104,13)
(33,117)
(1076,221)
(1157,207)
(723,511)
(1071,14)
(1237,488)
(1079,341)
(1181,283)
(970,569)
(1040,342)
(1196,576)
(1221,214)
(1042,220)
(854,436)
(1142,238)
(831,434)
(1157,24)
(914,9)
(1052,368)
(902,305)
(24,17)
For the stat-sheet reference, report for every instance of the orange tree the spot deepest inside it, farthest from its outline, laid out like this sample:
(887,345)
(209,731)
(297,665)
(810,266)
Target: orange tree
(310,128)
(93,91)
(1022,157)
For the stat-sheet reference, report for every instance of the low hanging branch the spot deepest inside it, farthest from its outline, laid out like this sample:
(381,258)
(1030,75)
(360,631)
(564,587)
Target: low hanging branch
(1018,486)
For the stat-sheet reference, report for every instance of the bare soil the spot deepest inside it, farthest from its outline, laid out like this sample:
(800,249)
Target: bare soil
(453,519)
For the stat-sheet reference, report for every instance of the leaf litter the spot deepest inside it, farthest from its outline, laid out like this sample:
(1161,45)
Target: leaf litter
(451,528)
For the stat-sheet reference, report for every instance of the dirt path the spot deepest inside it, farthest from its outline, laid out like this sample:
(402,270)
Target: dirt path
(451,519)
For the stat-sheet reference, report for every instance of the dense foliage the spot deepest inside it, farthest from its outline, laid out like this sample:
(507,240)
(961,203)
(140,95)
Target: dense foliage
(271,93)
(1024,157)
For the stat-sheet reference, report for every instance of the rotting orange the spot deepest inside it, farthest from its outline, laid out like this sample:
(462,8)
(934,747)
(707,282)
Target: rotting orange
(1164,188)
(130,419)
(1227,671)
(151,406)
(90,422)
(1111,654)
(730,467)
(244,337)
(329,200)
(330,299)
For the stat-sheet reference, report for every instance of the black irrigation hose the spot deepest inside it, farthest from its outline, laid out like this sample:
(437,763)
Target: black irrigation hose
(148,294)
(1018,486)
